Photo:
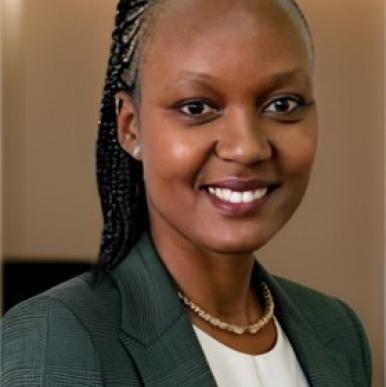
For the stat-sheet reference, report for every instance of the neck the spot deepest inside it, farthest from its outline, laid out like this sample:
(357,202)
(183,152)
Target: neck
(218,283)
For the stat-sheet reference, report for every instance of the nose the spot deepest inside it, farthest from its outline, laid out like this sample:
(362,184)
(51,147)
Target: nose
(244,139)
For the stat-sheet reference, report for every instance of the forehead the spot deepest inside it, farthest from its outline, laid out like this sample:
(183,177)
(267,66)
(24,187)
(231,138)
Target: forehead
(182,23)
(194,34)
(210,11)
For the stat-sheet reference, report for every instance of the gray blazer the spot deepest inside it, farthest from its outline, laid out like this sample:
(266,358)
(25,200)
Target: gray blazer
(130,329)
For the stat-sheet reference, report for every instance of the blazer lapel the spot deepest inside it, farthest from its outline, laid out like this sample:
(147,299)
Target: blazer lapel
(322,366)
(175,359)
(155,329)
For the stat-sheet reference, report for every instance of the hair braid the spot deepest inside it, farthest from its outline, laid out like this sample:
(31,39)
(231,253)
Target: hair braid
(119,176)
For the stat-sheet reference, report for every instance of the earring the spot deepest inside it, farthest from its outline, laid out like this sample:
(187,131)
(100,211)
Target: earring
(118,104)
(137,152)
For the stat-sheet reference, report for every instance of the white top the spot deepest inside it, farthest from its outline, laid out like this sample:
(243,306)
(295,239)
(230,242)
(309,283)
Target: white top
(277,368)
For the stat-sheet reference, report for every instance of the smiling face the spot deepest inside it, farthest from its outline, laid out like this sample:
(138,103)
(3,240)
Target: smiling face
(227,123)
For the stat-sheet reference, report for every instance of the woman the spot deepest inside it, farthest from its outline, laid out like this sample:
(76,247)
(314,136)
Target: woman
(206,142)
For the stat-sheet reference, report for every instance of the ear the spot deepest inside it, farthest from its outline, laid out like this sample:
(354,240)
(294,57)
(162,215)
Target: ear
(127,124)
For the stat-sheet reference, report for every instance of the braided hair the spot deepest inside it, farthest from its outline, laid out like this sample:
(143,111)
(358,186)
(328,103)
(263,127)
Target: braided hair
(120,176)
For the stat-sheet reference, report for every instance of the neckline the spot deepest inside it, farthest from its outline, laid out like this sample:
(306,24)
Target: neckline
(276,347)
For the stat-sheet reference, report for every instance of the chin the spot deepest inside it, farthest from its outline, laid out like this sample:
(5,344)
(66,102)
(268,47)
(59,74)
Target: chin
(235,244)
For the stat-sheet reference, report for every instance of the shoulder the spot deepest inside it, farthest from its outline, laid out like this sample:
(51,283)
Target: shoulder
(86,299)
(331,317)
(310,300)
(52,338)
(316,306)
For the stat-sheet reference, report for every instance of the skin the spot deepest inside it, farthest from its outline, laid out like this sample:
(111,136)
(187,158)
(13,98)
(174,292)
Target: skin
(236,59)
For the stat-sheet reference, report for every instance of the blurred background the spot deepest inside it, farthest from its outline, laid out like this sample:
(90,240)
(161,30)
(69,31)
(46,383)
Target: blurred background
(53,61)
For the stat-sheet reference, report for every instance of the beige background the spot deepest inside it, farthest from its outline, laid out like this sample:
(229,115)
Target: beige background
(54,62)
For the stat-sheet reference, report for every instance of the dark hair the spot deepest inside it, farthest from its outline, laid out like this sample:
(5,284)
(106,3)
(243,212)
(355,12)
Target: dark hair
(119,176)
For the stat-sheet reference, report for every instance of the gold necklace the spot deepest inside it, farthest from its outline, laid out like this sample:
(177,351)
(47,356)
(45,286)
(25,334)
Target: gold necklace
(236,329)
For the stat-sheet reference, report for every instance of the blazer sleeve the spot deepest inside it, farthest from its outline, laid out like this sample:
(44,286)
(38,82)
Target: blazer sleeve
(45,345)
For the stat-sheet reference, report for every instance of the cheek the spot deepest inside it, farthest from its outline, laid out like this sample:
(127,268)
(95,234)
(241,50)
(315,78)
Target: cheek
(170,155)
(296,151)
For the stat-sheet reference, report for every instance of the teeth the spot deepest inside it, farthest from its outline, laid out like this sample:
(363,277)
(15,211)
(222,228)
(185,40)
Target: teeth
(238,197)
(248,197)
(227,193)
(260,193)
(212,190)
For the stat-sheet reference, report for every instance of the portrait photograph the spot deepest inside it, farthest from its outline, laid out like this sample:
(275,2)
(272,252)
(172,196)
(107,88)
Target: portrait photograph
(192,193)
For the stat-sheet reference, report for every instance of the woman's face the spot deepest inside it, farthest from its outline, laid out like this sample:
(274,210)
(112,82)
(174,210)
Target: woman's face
(227,123)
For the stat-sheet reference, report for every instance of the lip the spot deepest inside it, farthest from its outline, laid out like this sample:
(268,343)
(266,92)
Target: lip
(228,209)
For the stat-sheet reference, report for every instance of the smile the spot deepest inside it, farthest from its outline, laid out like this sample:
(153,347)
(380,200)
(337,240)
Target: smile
(236,197)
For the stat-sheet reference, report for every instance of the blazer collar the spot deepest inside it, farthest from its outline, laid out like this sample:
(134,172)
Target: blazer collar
(159,337)
(149,300)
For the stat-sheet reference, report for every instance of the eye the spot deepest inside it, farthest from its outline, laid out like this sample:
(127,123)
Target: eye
(284,105)
(196,108)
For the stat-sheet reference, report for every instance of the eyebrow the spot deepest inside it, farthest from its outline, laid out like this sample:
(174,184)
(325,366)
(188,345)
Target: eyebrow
(274,81)
(285,77)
